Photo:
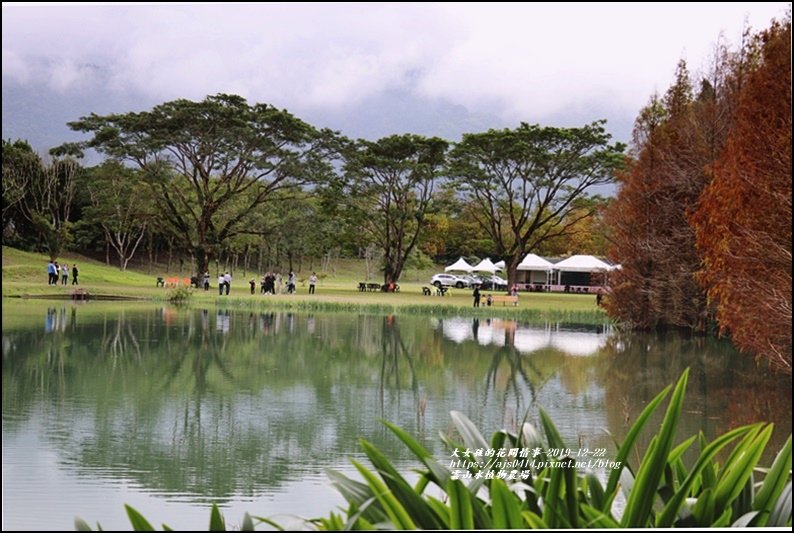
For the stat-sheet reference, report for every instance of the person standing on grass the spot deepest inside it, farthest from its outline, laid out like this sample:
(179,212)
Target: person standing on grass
(74,274)
(227,278)
(64,274)
(52,273)
(312,282)
(252,283)
(291,282)
(476,295)
(221,284)
(206,280)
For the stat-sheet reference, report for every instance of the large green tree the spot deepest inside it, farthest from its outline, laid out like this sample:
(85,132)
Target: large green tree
(38,197)
(211,163)
(525,181)
(121,203)
(390,186)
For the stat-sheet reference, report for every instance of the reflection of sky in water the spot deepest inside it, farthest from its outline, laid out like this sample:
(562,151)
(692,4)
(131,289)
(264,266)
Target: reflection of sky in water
(526,339)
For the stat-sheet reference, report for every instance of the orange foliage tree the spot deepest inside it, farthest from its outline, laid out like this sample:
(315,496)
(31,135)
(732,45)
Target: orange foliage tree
(676,139)
(743,221)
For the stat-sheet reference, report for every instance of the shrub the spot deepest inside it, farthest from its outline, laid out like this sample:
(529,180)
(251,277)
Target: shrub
(179,295)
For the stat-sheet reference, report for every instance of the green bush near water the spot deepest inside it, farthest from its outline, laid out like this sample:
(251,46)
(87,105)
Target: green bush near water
(659,491)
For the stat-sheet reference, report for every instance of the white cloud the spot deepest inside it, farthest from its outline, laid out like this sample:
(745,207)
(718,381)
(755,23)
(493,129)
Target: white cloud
(524,61)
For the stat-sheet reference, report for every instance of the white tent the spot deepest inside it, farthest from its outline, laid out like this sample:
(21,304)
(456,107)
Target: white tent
(500,265)
(534,262)
(460,265)
(486,265)
(537,269)
(581,263)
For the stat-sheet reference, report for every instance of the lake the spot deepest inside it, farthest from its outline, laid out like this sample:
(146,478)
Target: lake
(170,410)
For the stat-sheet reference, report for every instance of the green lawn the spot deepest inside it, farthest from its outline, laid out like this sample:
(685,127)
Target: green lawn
(24,273)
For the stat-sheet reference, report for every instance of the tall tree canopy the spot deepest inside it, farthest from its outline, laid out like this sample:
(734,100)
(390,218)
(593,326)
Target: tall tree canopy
(212,162)
(390,186)
(121,204)
(525,181)
(675,142)
(743,222)
(38,195)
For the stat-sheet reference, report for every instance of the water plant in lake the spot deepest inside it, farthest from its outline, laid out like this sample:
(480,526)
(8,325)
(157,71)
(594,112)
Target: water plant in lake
(479,493)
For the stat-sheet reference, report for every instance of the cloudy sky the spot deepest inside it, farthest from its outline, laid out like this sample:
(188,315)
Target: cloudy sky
(533,62)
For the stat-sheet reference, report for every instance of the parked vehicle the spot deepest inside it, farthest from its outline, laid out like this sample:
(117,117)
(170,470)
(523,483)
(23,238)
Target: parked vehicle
(449,280)
(494,283)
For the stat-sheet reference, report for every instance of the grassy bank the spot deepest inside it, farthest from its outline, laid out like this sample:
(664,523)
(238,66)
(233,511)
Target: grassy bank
(24,274)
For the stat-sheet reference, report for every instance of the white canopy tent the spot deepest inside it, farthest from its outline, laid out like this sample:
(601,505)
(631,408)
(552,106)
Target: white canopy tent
(578,264)
(459,266)
(582,263)
(538,268)
(500,265)
(486,265)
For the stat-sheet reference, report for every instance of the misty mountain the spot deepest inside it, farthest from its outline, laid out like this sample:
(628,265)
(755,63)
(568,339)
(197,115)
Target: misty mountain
(39,113)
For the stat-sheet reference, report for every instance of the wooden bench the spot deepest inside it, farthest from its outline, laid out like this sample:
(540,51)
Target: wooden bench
(504,298)
(362,286)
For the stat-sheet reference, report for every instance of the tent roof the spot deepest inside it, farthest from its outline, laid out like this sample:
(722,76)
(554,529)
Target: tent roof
(460,264)
(582,263)
(500,265)
(534,262)
(485,266)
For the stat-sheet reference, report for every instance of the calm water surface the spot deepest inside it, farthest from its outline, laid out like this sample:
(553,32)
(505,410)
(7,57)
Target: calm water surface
(171,410)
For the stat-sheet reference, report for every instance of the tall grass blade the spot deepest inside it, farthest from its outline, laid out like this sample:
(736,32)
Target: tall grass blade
(248,523)
(505,506)
(437,473)
(357,494)
(640,502)
(395,511)
(552,435)
(472,437)
(416,507)
(534,521)
(738,471)
(595,490)
(774,482)
(781,512)
(81,525)
(628,444)
(745,520)
(461,514)
(597,519)
(216,519)
(670,511)
(139,523)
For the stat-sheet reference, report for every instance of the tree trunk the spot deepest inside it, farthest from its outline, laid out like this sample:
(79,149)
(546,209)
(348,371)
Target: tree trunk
(512,270)
(202,260)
